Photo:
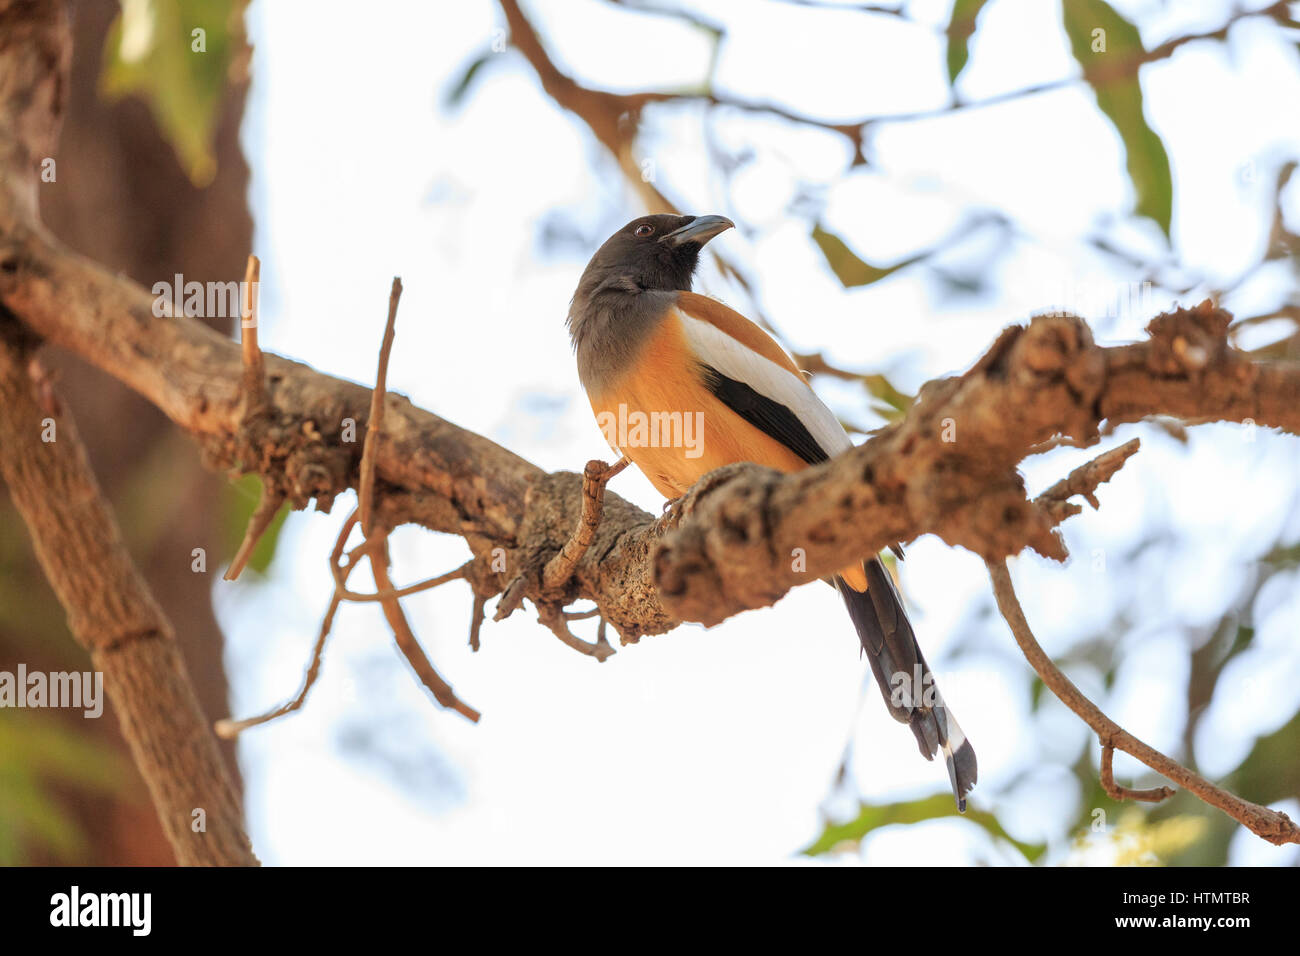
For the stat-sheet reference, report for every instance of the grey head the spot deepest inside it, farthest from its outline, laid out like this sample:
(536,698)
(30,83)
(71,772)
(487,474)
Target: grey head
(627,287)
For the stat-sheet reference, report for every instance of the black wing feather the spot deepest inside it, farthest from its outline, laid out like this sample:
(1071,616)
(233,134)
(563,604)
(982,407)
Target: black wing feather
(768,416)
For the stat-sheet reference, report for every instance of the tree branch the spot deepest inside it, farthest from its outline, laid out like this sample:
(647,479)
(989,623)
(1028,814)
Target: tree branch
(1272,825)
(948,467)
(113,615)
(110,610)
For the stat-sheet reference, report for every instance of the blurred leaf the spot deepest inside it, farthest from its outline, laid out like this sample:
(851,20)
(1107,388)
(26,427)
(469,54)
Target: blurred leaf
(1119,95)
(149,53)
(1283,556)
(890,404)
(1270,771)
(961,27)
(1137,839)
(149,500)
(38,756)
(967,283)
(930,808)
(240,501)
(456,95)
(851,270)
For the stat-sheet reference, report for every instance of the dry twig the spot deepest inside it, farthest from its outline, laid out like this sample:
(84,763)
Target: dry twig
(552,615)
(1116,792)
(256,402)
(594,478)
(1272,825)
(228,728)
(375,423)
(373,547)
(254,366)
(1084,481)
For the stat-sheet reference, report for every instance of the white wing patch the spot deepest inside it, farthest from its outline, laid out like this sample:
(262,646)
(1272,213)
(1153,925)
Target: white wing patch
(716,348)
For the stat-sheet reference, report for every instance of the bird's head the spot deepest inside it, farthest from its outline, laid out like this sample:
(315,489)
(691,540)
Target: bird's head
(652,252)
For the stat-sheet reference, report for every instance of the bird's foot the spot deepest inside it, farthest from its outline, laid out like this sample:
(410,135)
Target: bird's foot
(669,516)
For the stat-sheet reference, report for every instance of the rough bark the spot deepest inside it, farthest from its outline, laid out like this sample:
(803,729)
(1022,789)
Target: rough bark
(113,615)
(123,199)
(110,609)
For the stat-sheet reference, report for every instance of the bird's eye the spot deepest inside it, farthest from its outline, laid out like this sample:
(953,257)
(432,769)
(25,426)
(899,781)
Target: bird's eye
(643,230)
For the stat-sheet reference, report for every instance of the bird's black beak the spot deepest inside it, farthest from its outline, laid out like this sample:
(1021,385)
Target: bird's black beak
(700,229)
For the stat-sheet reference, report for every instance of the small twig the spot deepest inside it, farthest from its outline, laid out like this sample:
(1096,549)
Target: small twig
(267,508)
(43,383)
(477,614)
(255,402)
(457,574)
(1084,481)
(375,546)
(406,640)
(581,615)
(1273,826)
(255,397)
(1116,792)
(512,598)
(374,424)
(594,478)
(1056,441)
(552,615)
(228,728)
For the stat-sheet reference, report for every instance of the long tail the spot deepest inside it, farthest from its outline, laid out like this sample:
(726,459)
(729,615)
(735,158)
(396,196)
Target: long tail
(904,678)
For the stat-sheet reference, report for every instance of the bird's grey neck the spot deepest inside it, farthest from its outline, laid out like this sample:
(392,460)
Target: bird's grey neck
(609,327)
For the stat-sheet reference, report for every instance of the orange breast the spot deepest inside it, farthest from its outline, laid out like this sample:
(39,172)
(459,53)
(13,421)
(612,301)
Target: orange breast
(661,416)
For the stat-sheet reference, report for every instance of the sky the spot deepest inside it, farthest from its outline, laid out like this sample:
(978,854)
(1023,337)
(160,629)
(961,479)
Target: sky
(719,745)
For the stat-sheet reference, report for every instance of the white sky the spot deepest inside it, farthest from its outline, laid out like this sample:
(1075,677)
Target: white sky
(718,746)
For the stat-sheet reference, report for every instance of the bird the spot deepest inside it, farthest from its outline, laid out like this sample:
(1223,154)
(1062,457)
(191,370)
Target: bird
(650,351)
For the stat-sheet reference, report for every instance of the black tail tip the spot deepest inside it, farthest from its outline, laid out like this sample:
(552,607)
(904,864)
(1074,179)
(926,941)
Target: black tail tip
(963,772)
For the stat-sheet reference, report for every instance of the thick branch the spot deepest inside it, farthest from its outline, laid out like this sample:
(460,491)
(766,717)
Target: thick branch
(113,616)
(949,467)
(76,539)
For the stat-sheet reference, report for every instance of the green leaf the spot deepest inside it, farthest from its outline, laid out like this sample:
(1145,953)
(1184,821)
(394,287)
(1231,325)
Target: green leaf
(150,53)
(848,267)
(1270,771)
(1112,72)
(241,498)
(961,27)
(41,761)
(930,808)
(456,95)
(893,403)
